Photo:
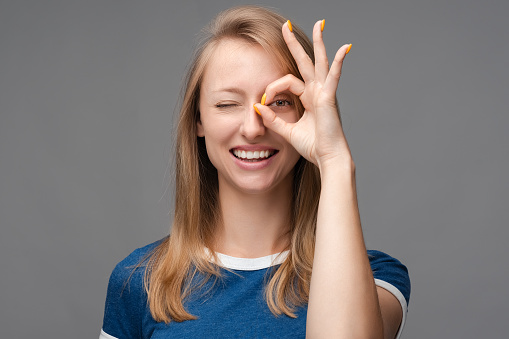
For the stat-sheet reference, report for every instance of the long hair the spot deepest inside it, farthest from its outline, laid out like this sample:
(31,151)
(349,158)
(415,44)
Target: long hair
(182,256)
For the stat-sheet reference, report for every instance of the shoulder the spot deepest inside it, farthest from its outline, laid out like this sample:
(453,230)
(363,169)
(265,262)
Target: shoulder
(390,270)
(391,275)
(134,264)
(126,297)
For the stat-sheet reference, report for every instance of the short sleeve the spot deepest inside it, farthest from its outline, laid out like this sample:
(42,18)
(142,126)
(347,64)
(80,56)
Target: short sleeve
(392,275)
(125,301)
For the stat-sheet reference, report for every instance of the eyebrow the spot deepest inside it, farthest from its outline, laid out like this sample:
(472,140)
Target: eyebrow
(230,89)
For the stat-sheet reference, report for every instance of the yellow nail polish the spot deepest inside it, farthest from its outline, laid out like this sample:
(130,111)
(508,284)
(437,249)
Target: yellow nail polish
(323,24)
(290,25)
(264,97)
(256,109)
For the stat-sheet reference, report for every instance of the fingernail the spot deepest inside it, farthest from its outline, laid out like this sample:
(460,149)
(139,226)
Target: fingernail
(256,109)
(323,24)
(348,49)
(290,25)
(264,97)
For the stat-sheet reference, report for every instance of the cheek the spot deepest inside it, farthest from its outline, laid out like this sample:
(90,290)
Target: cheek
(217,140)
(213,151)
(292,156)
(218,131)
(295,156)
(290,117)
(213,142)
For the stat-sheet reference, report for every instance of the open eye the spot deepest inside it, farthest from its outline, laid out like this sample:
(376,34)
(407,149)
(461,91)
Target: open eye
(281,103)
(285,106)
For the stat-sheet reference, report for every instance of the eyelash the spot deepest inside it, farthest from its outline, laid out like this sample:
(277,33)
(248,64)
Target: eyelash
(287,103)
(225,105)
(275,103)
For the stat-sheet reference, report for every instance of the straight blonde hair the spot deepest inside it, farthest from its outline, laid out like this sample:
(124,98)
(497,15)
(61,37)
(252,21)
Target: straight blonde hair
(179,258)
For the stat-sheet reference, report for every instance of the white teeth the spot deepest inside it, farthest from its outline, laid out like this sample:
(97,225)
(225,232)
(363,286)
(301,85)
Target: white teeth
(249,155)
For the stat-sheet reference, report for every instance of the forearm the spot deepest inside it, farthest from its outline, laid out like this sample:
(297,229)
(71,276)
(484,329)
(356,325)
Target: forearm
(343,301)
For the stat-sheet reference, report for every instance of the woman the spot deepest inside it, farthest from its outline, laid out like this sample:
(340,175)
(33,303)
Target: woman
(266,239)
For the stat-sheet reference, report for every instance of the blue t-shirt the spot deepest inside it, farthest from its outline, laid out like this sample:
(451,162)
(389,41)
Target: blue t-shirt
(232,307)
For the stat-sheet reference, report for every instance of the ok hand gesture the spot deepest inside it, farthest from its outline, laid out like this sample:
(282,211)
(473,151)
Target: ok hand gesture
(318,135)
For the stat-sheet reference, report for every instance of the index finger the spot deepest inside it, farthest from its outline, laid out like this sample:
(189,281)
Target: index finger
(287,83)
(304,63)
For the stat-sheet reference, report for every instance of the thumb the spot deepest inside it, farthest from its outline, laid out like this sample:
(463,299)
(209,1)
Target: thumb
(273,122)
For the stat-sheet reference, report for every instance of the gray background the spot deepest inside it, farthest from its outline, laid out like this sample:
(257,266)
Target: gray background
(87,94)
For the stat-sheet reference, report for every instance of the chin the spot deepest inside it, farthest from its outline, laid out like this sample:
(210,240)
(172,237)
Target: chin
(262,184)
(256,190)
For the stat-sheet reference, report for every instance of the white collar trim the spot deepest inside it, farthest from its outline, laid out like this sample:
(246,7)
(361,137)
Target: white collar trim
(251,264)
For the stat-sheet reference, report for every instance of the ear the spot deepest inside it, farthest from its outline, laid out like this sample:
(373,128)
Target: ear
(199,129)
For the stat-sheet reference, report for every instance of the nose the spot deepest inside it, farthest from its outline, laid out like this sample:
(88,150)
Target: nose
(252,126)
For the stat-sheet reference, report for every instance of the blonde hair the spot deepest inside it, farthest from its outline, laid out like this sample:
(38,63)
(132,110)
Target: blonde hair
(173,265)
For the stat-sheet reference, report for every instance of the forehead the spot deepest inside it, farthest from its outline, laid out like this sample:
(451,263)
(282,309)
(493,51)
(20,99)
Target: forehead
(235,62)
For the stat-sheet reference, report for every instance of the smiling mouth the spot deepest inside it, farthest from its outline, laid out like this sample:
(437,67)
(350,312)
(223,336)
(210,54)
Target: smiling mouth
(253,156)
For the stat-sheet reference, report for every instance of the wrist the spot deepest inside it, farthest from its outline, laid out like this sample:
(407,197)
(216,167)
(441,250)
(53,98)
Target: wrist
(335,166)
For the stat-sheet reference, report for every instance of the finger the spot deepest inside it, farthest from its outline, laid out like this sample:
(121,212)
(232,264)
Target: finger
(321,62)
(331,83)
(273,122)
(302,59)
(288,83)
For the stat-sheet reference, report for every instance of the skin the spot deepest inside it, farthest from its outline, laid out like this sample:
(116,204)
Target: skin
(254,193)
(344,301)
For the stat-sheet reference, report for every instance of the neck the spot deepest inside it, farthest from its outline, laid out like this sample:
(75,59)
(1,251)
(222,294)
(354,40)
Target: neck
(253,225)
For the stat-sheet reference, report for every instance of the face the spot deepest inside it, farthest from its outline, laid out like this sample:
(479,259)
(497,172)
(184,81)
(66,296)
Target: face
(248,156)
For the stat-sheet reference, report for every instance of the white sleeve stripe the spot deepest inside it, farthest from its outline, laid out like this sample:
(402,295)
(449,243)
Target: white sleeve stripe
(400,297)
(105,335)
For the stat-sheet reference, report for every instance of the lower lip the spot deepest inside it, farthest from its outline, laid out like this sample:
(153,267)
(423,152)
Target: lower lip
(253,165)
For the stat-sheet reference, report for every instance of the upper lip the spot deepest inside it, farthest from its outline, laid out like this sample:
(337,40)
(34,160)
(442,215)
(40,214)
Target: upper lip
(253,148)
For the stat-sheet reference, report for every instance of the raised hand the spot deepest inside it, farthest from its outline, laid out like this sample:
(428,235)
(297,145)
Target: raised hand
(318,135)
